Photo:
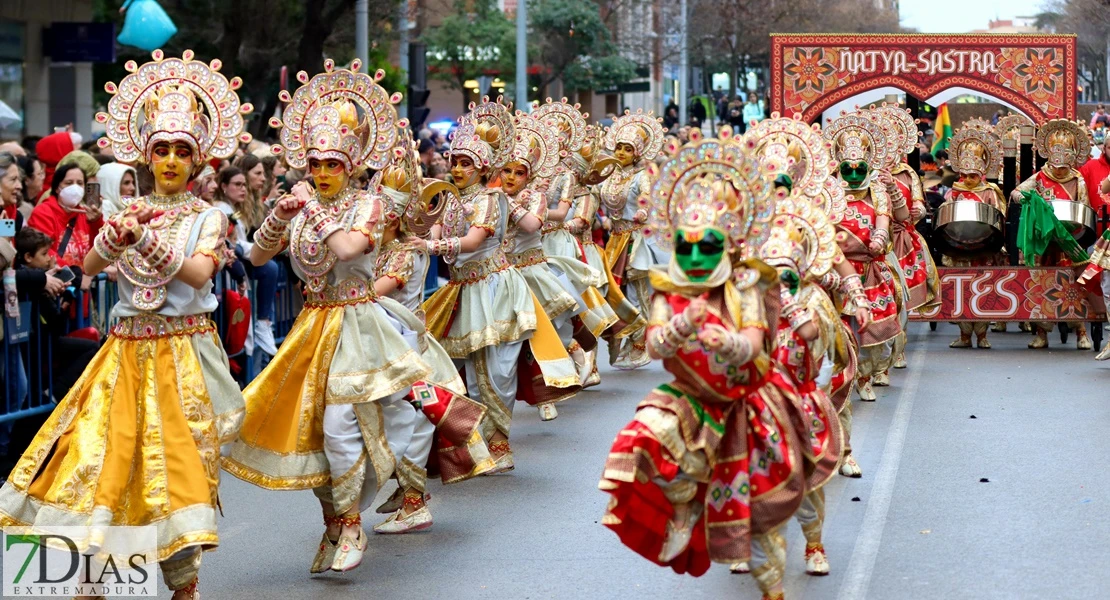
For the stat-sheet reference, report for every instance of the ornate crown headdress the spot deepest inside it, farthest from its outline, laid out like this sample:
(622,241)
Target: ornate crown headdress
(322,119)
(790,146)
(486,134)
(408,196)
(567,119)
(643,131)
(1009,127)
(1063,143)
(902,124)
(713,182)
(976,148)
(801,237)
(536,146)
(857,137)
(173,99)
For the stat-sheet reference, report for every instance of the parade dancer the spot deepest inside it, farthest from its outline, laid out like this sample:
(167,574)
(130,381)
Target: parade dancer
(329,411)
(860,142)
(635,139)
(568,230)
(1065,145)
(915,262)
(413,206)
(486,313)
(802,246)
(802,160)
(710,467)
(136,441)
(535,155)
(976,154)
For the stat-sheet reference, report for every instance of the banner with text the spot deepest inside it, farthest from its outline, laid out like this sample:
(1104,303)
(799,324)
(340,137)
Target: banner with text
(1013,294)
(1034,72)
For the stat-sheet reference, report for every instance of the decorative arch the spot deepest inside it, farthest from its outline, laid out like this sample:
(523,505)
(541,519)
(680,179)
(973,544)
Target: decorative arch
(1034,72)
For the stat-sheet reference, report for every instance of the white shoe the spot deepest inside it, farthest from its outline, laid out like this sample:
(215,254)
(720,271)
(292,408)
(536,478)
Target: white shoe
(324,556)
(1105,353)
(349,551)
(866,393)
(548,412)
(881,380)
(264,337)
(816,561)
(740,568)
(396,524)
(900,362)
(849,468)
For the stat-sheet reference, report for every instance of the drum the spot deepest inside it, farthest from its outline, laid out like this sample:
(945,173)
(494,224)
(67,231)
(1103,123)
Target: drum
(966,228)
(1079,219)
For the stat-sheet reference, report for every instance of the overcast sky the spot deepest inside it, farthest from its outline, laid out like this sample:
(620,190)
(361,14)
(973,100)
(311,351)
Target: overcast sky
(961,16)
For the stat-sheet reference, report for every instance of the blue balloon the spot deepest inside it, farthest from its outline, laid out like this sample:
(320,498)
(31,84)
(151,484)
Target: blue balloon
(146,25)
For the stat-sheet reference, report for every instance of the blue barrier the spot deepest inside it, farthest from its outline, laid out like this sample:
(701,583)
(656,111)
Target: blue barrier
(28,366)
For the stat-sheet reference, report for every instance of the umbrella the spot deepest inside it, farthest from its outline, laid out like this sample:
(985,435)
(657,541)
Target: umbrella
(8,117)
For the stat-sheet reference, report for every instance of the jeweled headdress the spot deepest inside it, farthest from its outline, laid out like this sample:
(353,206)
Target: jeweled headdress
(713,182)
(413,199)
(643,131)
(173,99)
(536,146)
(1063,143)
(1009,127)
(857,137)
(801,238)
(568,120)
(339,114)
(486,134)
(792,147)
(976,148)
(903,125)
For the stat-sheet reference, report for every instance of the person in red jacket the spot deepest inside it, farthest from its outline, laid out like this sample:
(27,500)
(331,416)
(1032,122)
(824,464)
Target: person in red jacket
(1094,172)
(67,221)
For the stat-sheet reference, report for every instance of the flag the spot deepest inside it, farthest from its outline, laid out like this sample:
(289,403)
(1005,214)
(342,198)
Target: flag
(942,130)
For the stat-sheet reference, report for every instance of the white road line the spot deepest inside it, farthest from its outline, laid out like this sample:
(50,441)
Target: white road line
(857,579)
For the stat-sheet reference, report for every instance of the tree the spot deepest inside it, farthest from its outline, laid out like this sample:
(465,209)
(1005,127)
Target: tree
(574,43)
(1090,21)
(254,38)
(475,40)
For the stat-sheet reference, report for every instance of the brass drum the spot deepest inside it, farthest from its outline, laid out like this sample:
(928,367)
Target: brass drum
(1079,219)
(967,227)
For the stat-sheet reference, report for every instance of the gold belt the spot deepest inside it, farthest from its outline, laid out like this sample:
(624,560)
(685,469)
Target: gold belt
(549,226)
(348,291)
(150,326)
(532,256)
(474,271)
(621,226)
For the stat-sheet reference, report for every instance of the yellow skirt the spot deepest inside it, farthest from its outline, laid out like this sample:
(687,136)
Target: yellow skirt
(136,441)
(334,354)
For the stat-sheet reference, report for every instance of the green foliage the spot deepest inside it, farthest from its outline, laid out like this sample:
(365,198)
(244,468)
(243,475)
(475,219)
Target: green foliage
(573,42)
(476,39)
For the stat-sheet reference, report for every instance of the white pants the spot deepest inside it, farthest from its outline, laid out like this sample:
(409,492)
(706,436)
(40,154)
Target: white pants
(491,377)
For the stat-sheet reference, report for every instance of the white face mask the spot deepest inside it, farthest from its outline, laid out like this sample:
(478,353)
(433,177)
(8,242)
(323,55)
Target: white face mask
(71,195)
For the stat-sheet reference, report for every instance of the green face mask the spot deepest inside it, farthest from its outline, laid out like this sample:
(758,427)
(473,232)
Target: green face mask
(854,176)
(785,181)
(699,252)
(790,280)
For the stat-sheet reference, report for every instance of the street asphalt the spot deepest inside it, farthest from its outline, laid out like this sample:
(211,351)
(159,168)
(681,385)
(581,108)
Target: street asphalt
(982,478)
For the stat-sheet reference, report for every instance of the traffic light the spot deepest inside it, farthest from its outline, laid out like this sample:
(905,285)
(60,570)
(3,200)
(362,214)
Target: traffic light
(418,109)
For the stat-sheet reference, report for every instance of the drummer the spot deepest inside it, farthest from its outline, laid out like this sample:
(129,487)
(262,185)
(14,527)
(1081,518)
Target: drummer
(1065,145)
(976,154)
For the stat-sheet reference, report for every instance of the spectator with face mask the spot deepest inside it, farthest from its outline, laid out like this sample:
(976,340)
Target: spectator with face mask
(69,222)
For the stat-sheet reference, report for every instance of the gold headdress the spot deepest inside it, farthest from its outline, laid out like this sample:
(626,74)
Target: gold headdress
(801,238)
(173,99)
(536,146)
(1009,127)
(640,130)
(1063,143)
(859,138)
(976,148)
(567,119)
(322,119)
(714,182)
(486,134)
(903,125)
(408,196)
(792,147)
